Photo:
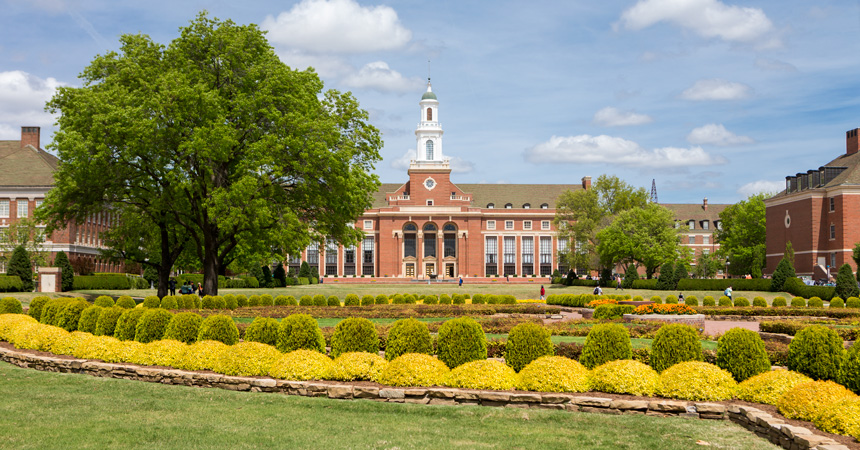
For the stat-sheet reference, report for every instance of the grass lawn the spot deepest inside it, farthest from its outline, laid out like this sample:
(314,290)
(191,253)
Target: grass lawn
(50,410)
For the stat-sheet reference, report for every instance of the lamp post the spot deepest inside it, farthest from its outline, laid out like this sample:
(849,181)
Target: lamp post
(726,275)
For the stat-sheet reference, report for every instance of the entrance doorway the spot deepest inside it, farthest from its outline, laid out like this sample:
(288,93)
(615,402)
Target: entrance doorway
(410,270)
(449,270)
(430,269)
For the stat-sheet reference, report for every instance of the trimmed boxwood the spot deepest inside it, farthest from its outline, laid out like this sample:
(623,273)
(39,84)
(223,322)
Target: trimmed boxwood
(169,302)
(253,300)
(89,319)
(352,300)
(105,301)
(184,327)
(367,300)
(333,300)
(36,306)
(527,342)
(708,301)
(778,302)
(759,301)
(263,330)
(266,300)
(355,334)
(11,305)
(319,300)
(151,301)
(837,302)
(151,325)
(798,302)
(606,342)
(408,336)
(381,299)
(852,302)
(241,300)
(70,315)
(816,302)
(725,301)
(300,331)
(431,300)
(478,299)
(460,341)
(126,325)
(742,353)
(691,300)
(125,302)
(306,300)
(816,351)
(220,328)
(675,343)
(741,301)
(849,372)
(106,323)
(52,309)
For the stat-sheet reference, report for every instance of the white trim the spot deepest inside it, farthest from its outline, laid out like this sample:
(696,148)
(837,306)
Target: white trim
(845,250)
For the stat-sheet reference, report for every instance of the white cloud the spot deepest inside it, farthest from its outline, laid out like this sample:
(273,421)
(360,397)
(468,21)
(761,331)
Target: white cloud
(22,102)
(586,149)
(774,64)
(378,76)
(324,65)
(458,164)
(717,89)
(337,26)
(716,134)
(614,117)
(760,186)
(708,18)
(402,163)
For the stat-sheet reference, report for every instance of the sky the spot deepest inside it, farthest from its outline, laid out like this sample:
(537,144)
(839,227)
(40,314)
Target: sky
(709,98)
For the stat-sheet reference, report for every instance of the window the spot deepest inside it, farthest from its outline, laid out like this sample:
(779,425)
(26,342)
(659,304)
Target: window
(692,240)
(545,250)
(527,206)
(410,227)
(349,256)
(429,241)
(313,254)
(544,206)
(510,250)
(491,205)
(39,203)
(491,224)
(692,224)
(429,148)
(449,244)
(718,224)
(677,224)
(706,251)
(492,250)
(833,260)
(367,250)
(706,239)
(509,224)
(429,114)
(449,227)
(508,206)
(832,204)
(527,224)
(528,244)
(331,252)
(429,202)
(23,208)
(410,246)
(832,231)
(368,224)
(705,224)
(4,208)
(544,225)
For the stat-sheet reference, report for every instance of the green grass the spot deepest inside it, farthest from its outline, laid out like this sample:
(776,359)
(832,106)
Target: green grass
(50,410)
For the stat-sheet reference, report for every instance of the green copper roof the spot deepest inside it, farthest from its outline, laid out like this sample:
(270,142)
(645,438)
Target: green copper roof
(428,95)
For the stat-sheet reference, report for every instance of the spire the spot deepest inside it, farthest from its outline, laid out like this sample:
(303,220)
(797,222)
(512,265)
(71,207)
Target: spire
(654,191)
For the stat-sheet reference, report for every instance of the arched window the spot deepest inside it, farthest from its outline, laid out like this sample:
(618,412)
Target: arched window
(449,227)
(508,206)
(527,205)
(429,227)
(491,205)
(429,113)
(544,206)
(429,146)
(410,227)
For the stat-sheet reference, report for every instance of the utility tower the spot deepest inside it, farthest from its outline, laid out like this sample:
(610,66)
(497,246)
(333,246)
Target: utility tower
(654,191)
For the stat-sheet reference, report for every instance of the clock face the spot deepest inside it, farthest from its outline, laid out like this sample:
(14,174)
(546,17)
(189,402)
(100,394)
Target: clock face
(429,183)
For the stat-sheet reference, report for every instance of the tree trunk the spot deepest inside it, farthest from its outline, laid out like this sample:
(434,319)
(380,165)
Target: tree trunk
(163,280)
(210,263)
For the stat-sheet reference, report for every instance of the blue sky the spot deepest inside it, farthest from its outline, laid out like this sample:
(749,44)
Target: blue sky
(711,98)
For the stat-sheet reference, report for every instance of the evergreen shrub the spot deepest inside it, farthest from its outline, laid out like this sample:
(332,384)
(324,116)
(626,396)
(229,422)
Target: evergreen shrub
(201,355)
(460,341)
(36,305)
(698,381)
(151,301)
(553,374)
(606,342)
(816,302)
(126,325)
(481,374)
(126,302)
(355,334)
(247,359)
(11,305)
(165,352)
(741,301)
(458,299)
(852,302)
(151,325)
(361,366)
(105,301)
(300,331)
(241,300)
(253,300)
(742,353)
(306,300)
(478,299)
(846,284)
(431,300)
(675,343)
(381,299)
(319,300)
(837,302)
(301,365)
(778,302)
(708,301)
(656,299)
(408,336)
(840,417)
(759,301)
(413,369)
(89,318)
(169,302)
(70,315)
(691,300)
(208,302)
(266,300)
(849,372)
(527,342)
(220,328)
(725,301)
(351,300)
(367,300)
(106,323)
(798,302)
(184,327)
(804,401)
(51,308)
(445,299)
(624,376)
(230,302)
(816,351)
(768,387)
(333,300)
(671,300)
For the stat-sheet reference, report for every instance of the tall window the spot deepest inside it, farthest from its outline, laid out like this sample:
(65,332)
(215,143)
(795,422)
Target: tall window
(313,254)
(510,250)
(429,113)
(429,147)
(832,204)
(706,239)
(349,260)
(450,240)
(545,250)
(528,250)
(410,246)
(4,208)
(23,208)
(429,240)
(367,250)
(492,251)
(692,239)
(832,231)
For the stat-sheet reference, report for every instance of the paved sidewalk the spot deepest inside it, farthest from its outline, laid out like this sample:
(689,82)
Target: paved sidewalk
(714,327)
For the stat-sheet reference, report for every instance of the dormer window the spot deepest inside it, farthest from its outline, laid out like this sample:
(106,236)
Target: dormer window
(491,205)
(544,206)
(508,206)
(527,206)
(705,225)
(692,224)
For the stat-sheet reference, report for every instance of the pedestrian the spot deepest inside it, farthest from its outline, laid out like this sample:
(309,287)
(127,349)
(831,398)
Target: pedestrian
(200,289)
(461,282)
(597,291)
(618,283)
(172,285)
(728,292)
(681,297)
(542,293)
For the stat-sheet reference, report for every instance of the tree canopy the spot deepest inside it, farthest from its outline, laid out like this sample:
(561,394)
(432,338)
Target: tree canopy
(742,236)
(643,235)
(212,141)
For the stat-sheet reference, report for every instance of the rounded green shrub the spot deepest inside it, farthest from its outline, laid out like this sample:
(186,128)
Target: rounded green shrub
(852,302)
(51,308)
(691,300)
(208,302)
(367,300)
(606,342)
(408,336)
(151,325)
(219,328)
(816,351)
(742,353)
(351,300)
(184,327)
(300,331)
(11,305)
(70,315)
(431,300)
(460,341)
(126,302)
(355,334)
(263,330)
(849,372)
(778,301)
(381,299)
(671,300)
(126,325)
(254,300)
(708,301)
(280,300)
(742,301)
(478,299)
(656,299)
(106,323)
(410,299)
(675,343)
(333,300)
(508,300)
(725,301)
(458,299)
(319,300)
(798,302)
(104,301)
(492,299)
(397,299)
(816,302)
(230,302)
(219,302)
(759,301)
(169,302)
(266,300)
(837,302)
(151,301)
(291,301)
(527,342)
(36,305)
(89,318)
(638,298)
(445,299)
(242,300)
(306,300)
(188,301)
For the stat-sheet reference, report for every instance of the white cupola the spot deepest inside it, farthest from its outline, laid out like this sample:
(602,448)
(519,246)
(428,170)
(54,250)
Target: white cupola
(428,135)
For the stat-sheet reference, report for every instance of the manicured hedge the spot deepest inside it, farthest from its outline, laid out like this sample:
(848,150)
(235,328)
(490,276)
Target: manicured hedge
(90,282)
(11,284)
(737,284)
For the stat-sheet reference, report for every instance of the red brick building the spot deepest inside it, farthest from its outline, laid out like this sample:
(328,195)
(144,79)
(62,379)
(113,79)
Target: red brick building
(818,212)
(26,175)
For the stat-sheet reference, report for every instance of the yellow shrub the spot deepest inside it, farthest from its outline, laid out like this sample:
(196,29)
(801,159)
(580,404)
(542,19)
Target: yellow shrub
(46,336)
(481,374)
(696,380)
(105,348)
(840,417)
(10,321)
(247,359)
(201,355)
(66,345)
(625,376)
(413,369)
(358,366)
(553,374)
(806,400)
(24,335)
(768,387)
(158,353)
(302,365)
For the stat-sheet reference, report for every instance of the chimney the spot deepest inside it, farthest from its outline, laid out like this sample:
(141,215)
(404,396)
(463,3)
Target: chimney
(705,204)
(851,142)
(30,136)
(586,183)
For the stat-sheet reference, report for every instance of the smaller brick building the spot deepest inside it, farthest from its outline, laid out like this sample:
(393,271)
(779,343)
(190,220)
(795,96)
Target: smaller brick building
(819,213)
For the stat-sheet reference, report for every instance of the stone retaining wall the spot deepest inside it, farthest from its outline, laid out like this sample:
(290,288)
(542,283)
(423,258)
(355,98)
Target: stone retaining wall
(763,424)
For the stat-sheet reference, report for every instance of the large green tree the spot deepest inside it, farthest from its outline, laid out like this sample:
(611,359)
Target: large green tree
(643,235)
(67,274)
(225,141)
(707,265)
(21,266)
(741,236)
(581,214)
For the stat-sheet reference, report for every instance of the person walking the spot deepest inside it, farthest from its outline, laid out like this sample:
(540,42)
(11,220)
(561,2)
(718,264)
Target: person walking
(461,282)
(542,293)
(728,292)
(172,286)
(618,283)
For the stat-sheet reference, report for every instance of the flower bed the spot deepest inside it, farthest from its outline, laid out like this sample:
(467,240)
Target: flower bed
(660,308)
